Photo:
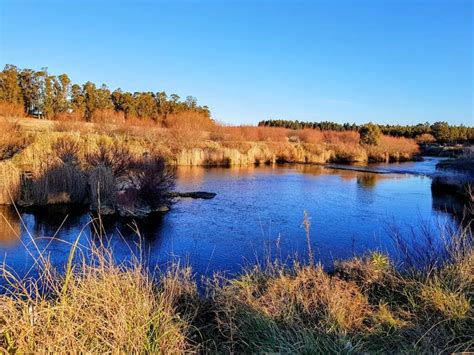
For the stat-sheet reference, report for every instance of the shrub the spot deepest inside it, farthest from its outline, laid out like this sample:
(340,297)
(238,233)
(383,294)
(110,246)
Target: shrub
(425,138)
(117,157)
(107,117)
(11,110)
(369,134)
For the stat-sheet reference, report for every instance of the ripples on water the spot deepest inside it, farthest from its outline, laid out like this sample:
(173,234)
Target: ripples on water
(257,211)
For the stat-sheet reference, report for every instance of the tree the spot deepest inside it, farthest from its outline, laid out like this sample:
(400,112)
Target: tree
(61,93)
(47,100)
(90,99)
(32,88)
(441,132)
(10,90)
(78,100)
(369,134)
(146,105)
(103,99)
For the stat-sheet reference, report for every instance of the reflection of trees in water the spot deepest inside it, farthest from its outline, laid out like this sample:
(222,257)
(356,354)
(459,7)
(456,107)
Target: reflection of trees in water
(66,221)
(448,202)
(128,228)
(10,226)
(48,219)
(190,174)
(367,180)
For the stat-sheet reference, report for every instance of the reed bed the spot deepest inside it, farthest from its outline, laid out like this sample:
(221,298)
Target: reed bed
(192,139)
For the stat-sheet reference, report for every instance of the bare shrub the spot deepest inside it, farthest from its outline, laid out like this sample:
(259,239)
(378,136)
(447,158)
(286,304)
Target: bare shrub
(117,157)
(153,178)
(67,150)
(102,189)
(188,129)
(392,149)
(75,116)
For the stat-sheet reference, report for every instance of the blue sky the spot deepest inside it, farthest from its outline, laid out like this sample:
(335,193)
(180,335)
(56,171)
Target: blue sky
(386,61)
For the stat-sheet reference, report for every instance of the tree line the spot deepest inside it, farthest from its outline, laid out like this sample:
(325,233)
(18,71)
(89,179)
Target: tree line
(41,94)
(442,132)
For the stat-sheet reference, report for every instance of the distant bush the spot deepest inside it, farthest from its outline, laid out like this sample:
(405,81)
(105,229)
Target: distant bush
(425,138)
(369,134)
(11,110)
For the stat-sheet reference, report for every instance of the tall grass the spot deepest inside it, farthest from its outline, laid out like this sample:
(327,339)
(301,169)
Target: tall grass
(366,305)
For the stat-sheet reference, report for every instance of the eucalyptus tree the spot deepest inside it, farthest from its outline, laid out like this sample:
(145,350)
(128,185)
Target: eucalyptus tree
(10,90)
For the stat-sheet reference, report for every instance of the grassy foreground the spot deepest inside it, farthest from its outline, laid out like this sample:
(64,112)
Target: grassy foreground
(365,305)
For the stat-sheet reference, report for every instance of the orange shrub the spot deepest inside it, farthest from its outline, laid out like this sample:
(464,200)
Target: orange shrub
(69,117)
(108,117)
(309,135)
(315,136)
(398,144)
(425,138)
(11,110)
(249,133)
(393,149)
(188,129)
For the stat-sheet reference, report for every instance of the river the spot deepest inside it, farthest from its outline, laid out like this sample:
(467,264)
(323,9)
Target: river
(257,213)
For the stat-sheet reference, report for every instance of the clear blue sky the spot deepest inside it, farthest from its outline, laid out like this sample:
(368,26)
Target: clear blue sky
(387,61)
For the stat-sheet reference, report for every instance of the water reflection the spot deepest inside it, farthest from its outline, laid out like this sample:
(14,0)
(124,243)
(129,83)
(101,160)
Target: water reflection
(10,226)
(367,181)
(255,208)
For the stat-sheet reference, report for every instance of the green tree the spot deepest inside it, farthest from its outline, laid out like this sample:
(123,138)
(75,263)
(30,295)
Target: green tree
(369,134)
(103,97)
(78,100)
(90,99)
(31,89)
(62,91)
(441,132)
(10,89)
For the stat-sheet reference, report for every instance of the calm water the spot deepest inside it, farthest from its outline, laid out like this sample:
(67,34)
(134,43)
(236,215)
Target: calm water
(257,211)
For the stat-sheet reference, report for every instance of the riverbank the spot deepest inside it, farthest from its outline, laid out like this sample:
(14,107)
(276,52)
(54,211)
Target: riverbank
(45,162)
(366,305)
(456,176)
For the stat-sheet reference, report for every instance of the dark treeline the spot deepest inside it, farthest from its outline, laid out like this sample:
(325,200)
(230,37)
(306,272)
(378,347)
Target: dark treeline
(442,132)
(41,94)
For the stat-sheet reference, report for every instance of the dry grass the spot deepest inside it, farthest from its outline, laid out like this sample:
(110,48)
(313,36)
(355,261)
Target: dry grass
(393,149)
(248,134)
(58,168)
(99,307)
(11,110)
(366,306)
(192,138)
(12,141)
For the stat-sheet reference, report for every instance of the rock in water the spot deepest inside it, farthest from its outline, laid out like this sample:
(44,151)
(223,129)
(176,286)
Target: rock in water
(195,194)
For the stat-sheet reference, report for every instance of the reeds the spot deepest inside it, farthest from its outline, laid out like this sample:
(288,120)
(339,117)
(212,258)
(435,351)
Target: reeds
(366,305)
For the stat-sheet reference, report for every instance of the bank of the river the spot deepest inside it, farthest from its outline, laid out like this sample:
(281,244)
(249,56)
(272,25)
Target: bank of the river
(256,210)
(47,163)
(367,305)
(456,176)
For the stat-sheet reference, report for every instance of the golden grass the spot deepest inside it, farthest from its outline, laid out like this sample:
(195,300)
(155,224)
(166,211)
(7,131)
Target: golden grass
(393,149)
(365,306)
(103,308)
(191,138)
(11,110)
